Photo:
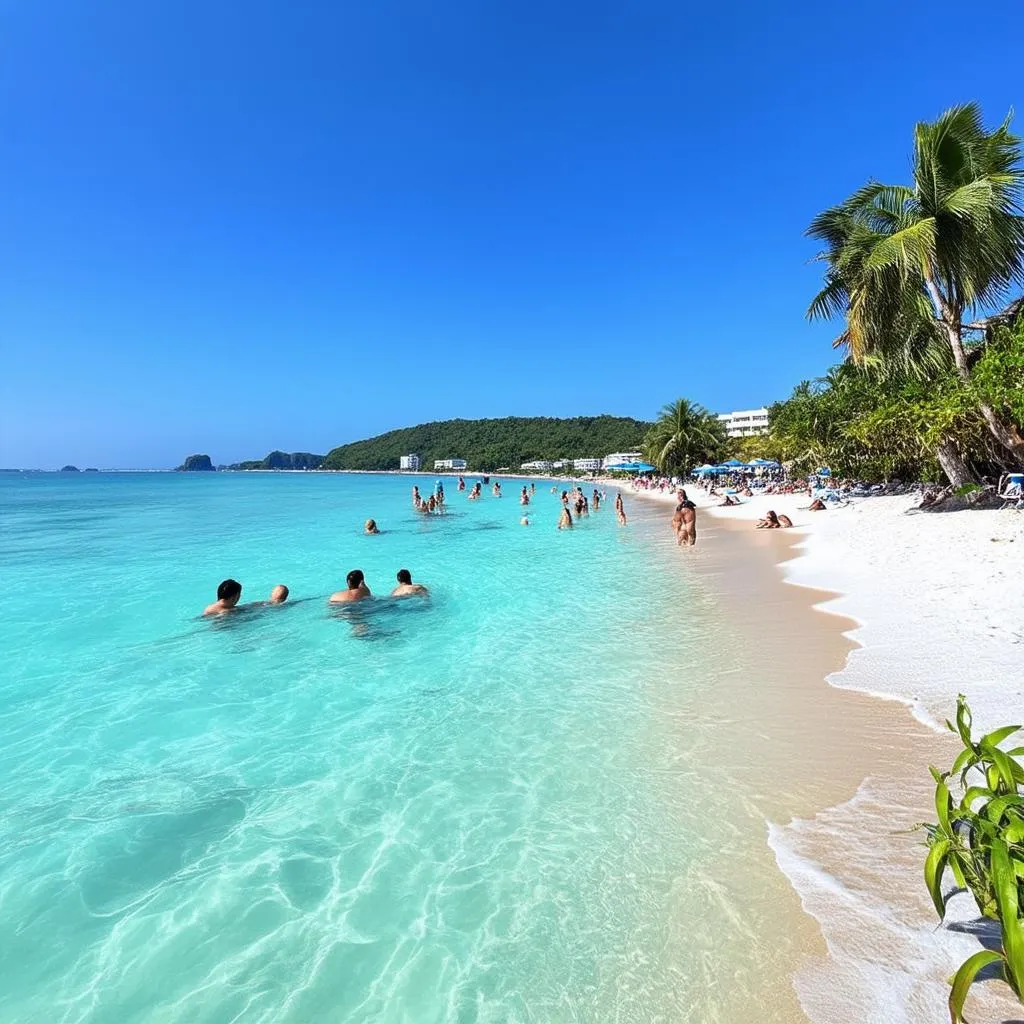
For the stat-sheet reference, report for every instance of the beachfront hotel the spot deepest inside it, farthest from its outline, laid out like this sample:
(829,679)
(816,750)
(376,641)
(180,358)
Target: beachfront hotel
(409,462)
(746,422)
(539,465)
(619,458)
(587,465)
(449,463)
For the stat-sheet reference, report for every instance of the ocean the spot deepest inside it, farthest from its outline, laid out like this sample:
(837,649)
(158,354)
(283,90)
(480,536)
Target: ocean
(495,805)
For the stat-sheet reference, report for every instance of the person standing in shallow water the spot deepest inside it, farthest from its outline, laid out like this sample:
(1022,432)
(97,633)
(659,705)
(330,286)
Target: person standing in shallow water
(565,519)
(406,587)
(229,593)
(357,589)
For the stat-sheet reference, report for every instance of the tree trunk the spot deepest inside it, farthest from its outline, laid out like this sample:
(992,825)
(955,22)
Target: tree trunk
(953,464)
(1006,433)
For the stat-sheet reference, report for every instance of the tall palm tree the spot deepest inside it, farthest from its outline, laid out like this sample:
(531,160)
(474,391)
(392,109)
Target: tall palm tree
(905,264)
(684,435)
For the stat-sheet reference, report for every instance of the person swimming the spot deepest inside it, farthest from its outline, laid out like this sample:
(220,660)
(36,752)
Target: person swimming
(357,589)
(496,489)
(406,587)
(462,484)
(229,593)
(524,497)
(371,526)
(525,521)
(278,595)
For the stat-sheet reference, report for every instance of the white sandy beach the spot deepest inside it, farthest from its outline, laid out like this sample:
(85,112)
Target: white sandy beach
(940,607)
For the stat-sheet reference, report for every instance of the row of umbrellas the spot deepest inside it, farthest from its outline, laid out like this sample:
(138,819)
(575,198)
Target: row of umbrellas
(735,466)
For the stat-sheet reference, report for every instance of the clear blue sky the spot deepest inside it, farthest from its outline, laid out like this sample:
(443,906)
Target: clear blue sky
(231,228)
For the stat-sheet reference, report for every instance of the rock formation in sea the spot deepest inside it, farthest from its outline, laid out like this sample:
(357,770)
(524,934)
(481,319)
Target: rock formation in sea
(69,469)
(197,464)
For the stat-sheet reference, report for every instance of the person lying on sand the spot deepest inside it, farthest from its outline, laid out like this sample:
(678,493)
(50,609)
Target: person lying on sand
(278,595)
(357,589)
(229,593)
(747,492)
(817,506)
(773,522)
(406,587)
(729,501)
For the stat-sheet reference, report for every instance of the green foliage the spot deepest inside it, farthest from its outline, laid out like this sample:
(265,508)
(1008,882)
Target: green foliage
(980,841)
(488,444)
(283,460)
(684,436)
(905,264)
(874,426)
(998,375)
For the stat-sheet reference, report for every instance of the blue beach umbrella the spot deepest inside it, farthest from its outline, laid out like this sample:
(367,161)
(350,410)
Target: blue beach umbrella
(734,464)
(705,470)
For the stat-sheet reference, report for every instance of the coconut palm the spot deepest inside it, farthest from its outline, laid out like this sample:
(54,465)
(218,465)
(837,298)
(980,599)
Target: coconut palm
(684,435)
(907,264)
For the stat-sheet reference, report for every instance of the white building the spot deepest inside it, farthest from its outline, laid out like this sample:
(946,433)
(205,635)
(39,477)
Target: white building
(449,463)
(539,465)
(746,422)
(587,465)
(559,464)
(410,462)
(617,458)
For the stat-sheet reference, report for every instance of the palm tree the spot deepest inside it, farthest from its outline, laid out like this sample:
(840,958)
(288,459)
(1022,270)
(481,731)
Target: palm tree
(905,264)
(684,435)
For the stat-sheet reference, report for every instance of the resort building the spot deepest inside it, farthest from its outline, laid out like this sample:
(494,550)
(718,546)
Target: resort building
(746,422)
(617,458)
(587,465)
(410,462)
(538,465)
(449,463)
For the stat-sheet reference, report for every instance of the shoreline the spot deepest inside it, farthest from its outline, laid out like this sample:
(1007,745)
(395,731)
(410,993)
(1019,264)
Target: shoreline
(851,860)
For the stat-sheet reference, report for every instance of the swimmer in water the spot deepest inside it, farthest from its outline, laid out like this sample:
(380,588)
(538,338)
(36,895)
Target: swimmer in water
(406,587)
(278,595)
(565,519)
(416,499)
(357,589)
(525,521)
(524,498)
(229,593)
(371,526)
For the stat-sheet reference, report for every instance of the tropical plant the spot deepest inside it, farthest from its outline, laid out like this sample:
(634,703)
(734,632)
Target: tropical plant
(906,264)
(684,436)
(980,840)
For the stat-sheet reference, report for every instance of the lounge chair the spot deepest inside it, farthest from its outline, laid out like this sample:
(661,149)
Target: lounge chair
(1011,490)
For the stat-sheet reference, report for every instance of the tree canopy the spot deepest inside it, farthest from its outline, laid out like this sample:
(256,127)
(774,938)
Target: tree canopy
(489,444)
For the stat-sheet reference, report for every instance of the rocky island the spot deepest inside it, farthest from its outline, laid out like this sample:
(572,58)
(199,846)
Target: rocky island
(196,464)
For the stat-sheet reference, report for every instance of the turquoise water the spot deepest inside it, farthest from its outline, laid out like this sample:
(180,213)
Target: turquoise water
(463,810)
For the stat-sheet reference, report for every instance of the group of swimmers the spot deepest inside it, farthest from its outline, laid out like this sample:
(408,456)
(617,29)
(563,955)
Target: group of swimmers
(229,593)
(577,500)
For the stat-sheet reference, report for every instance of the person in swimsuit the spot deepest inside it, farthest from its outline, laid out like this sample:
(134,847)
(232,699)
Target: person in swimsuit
(565,519)
(229,593)
(406,587)
(357,589)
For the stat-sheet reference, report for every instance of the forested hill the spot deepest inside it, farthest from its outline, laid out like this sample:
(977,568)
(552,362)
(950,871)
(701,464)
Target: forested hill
(489,444)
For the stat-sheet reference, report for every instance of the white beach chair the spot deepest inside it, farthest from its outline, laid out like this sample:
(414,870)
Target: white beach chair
(1011,490)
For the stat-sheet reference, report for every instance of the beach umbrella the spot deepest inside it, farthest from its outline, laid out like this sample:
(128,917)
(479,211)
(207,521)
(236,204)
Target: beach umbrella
(705,470)
(766,463)
(825,472)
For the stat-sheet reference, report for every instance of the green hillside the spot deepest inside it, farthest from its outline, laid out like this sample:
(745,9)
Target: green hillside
(488,444)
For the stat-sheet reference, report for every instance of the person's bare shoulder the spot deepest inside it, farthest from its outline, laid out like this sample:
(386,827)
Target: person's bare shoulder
(341,597)
(214,609)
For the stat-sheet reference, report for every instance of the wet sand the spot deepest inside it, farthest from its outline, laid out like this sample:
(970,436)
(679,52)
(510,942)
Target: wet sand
(795,746)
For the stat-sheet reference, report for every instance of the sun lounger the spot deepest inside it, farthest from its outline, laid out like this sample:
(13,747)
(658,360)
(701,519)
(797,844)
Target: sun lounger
(1011,490)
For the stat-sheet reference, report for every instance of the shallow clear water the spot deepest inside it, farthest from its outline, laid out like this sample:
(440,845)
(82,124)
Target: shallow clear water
(470,809)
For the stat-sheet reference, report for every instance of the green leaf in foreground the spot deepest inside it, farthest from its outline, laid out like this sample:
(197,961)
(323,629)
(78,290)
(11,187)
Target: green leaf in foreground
(964,978)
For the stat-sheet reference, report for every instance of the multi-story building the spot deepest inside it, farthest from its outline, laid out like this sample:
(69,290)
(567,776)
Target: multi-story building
(746,422)
(538,465)
(410,462)
(618,458)
(449,463)
(587,465)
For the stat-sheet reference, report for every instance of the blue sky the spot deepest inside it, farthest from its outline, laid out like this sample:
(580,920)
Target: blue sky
(231,228)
